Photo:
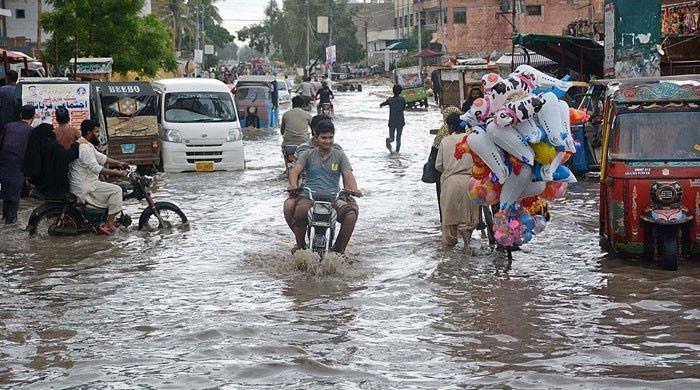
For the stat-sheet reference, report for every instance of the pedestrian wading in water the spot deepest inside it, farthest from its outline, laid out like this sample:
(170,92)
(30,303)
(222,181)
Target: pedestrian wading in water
(460,214)
(397,105)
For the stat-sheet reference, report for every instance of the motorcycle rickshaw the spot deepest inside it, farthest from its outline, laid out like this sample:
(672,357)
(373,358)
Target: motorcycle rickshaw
(413,86)
(257,101)
(650,169)
(127,112)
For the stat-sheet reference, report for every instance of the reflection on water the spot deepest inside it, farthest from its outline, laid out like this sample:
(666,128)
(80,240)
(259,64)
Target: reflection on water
(225,304)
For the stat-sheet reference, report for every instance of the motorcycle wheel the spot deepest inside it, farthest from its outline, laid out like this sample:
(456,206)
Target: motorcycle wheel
(170,213)
(668,248)
(46,224)
(318,242)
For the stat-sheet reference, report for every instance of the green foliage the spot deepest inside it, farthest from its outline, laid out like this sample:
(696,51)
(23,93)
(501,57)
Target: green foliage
(246,53)
(108,28)
(407,60)
(283,32)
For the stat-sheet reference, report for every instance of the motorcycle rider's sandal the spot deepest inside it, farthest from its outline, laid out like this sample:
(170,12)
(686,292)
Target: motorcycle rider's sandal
(105,230)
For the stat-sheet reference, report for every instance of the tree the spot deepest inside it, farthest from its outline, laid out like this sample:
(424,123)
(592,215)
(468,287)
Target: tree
(283,32)
(172,13)
(246,53)
(108,28)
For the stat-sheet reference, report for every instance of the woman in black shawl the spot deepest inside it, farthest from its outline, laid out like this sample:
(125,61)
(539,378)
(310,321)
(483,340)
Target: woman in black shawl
(46,162)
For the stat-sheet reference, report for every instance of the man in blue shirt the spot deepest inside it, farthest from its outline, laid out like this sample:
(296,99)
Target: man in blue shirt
(323,167)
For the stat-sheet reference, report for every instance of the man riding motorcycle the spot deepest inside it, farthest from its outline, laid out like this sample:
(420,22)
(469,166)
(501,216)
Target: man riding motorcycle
(84,176)
(325,94)
(295,125)
(323,167)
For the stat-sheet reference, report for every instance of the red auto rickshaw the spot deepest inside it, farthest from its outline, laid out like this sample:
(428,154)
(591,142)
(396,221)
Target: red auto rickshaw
(650,170)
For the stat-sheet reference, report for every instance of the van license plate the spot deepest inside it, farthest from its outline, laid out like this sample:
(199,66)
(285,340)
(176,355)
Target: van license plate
(204,166)
(128,148)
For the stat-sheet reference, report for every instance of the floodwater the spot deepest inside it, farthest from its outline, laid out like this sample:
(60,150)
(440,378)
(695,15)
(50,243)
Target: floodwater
(224,304)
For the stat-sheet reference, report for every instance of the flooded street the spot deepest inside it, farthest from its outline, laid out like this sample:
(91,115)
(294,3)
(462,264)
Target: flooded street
(224,304)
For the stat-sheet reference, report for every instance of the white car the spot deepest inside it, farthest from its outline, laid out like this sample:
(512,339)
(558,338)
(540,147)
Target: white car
(283,91)
(198,126)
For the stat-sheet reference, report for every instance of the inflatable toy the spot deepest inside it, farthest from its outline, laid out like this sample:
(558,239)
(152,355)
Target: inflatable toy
(520,140)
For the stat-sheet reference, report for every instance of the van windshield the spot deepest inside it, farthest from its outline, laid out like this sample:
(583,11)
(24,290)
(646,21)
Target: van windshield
(188,107)
(655,135)
(281,85)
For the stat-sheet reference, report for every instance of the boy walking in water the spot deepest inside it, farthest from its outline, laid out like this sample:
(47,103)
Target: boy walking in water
(396,104)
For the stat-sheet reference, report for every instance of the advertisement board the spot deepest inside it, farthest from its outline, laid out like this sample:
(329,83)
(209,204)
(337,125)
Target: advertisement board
(330,54)
(46,97)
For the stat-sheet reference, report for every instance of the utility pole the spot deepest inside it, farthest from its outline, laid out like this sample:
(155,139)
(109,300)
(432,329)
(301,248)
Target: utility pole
(308,33)
(420,38)
(38,25)
(442,21)
(196,27)
(512,47)
(366,37)
(330,23)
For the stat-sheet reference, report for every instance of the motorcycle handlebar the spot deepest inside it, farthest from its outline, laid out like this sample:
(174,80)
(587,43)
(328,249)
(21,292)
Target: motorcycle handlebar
(343,192)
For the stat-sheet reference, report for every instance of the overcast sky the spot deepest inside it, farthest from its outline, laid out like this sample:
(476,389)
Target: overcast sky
(240,13)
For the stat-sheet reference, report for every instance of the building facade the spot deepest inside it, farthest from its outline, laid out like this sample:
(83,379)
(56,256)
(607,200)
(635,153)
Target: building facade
(19,22)
(478,27)
(404,18)
(374,21)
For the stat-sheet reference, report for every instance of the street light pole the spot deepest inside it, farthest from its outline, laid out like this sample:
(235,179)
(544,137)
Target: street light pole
(512,39)
(308,33)
(442,23)
(330,22)
(420,38)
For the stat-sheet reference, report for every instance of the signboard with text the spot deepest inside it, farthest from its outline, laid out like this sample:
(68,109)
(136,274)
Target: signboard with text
(46,97)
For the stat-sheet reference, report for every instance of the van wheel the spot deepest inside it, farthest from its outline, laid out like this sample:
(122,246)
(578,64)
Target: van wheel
(668,248)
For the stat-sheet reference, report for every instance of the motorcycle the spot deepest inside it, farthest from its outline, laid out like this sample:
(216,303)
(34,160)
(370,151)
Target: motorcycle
(322,218)
(325,109)
(66,216)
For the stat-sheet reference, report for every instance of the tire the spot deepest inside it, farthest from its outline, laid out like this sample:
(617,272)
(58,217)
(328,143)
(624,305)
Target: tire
(668,248)
(43,222)
(170,213)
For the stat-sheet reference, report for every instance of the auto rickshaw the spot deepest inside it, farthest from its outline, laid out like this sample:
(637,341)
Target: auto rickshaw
(411,81)
(650,169)
(128,115)
(257,101)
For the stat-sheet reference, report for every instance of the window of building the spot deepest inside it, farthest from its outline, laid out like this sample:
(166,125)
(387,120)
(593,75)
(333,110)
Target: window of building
(405,20)
(459,15)
(534,10)
(19,13)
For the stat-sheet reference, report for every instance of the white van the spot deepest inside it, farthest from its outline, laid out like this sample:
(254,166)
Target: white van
(198,127)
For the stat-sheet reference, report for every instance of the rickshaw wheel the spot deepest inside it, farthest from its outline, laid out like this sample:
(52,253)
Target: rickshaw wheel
(668,248)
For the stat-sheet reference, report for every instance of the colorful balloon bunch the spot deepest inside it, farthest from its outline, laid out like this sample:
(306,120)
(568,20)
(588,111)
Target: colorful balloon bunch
(519,142)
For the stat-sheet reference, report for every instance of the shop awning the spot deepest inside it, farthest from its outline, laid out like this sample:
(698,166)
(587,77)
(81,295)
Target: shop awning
(583,55)
(533,59)
(426,53)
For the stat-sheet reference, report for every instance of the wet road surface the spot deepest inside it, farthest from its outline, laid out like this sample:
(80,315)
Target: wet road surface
(224,304)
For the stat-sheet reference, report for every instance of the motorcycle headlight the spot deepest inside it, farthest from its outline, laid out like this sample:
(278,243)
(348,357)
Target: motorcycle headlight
(666,193)
(172,135)
(252,110)
(234,135)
